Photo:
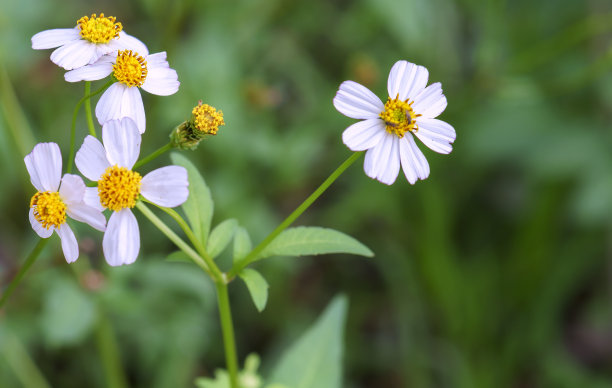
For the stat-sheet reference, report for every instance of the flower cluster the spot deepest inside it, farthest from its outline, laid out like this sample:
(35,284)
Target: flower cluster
(95,49)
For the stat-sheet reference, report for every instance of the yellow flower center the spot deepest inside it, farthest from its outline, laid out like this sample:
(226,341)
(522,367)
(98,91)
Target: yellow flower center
(49,209)
(99,29)
(130,68)
(119,188)
(207,119)
(399,117)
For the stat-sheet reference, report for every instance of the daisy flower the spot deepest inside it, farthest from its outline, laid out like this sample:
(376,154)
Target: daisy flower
(57,197)
(387,130)
(110,164)
(92,38)
(132,70)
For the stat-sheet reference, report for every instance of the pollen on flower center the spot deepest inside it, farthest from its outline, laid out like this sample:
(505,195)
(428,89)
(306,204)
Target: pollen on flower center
(49,209)
(130,68)
(99,29)
(119,188)
(207,119)
(399,117)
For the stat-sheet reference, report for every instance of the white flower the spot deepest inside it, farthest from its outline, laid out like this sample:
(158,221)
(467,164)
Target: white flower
(58,197)
(87,42)
(133,70)
(386,130)
(119,187)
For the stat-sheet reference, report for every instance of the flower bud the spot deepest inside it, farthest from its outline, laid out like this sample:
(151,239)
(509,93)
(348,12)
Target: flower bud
(205,121)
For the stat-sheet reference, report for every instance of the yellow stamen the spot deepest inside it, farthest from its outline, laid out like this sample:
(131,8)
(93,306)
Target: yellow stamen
(130,68)
(399,117)
(49,209)
(99,29)
(207,119)
(119,188)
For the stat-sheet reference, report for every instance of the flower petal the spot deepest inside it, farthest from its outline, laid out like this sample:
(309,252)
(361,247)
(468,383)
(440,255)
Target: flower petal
(382,162)
(357,102)
(121,241)
(92,199)
(109,105)
(74,54)
(364,135)
(72,189)
(93,72)
(122,142)
(161,79)
(406,80)
(44,164)
(131,106)
(69,243)
(91,159)
(128,42)
(436,134)
(166,186)
(54,38)
(87,214)
(430,102)
(414,164)
(37,226)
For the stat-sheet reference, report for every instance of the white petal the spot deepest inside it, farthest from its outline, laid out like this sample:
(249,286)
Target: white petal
(92,199)
(54,38)
(37,226)
(98,70)
(122,142)
(121,241)
(430,102)
(364,135)
(436,134)
(161,79)
(357,102)
(414,164)
(89,215)
(166,186)
(128,42)
(69,243)
(44,164)
(74,54)
(72,189)
(131,106)
(109,105)
(91,159)
(406,80)
(383,162)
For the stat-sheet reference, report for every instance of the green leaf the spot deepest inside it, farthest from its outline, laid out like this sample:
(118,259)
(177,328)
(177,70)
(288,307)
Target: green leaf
(257,285)
(178,256)
(221,235)
(199,205)
(242,244)
(315,360)
(311,240)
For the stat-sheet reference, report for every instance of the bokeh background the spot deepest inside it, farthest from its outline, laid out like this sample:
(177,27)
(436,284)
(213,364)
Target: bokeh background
(494,272)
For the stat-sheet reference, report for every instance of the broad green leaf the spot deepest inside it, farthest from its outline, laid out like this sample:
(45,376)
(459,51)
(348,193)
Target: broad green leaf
(315,360)
(221,235)
(199,205)
(311,240)
(242,244)
(257,285)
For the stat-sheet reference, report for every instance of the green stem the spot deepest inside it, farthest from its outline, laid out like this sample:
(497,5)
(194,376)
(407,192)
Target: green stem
(26,266)
(193,255)
(90,123)
(74,117)
(227,328)
(153,155)
(18,359)
(109,352)
(252,256)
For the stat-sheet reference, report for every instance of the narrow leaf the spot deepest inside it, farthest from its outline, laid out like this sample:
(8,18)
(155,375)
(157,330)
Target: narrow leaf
(315,360)
(178,256)
(242,244)
(221,235)
(257,285)
(199,206)
(312,240)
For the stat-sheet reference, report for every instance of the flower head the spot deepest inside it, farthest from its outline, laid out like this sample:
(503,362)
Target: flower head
(387,130)
(205,121)
(92,38)
(133,70)
(57,198)
(110,164)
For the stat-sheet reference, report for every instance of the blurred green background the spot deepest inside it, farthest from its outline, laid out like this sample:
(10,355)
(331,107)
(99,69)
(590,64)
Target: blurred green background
(494,272)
